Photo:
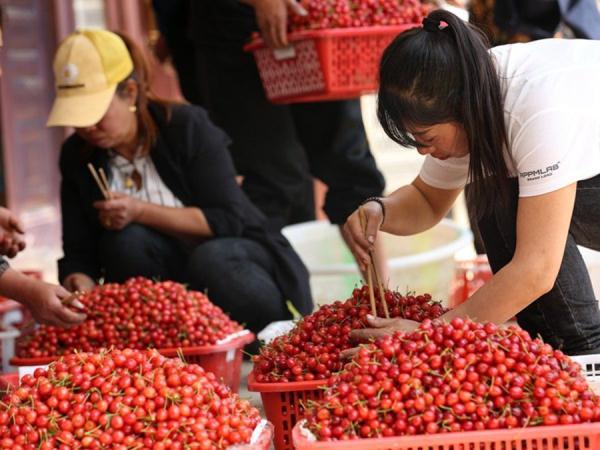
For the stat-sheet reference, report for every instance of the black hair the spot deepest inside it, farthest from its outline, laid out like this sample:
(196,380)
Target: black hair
(440,73)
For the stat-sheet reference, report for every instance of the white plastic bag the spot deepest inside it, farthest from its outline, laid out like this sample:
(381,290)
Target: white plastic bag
(275,329)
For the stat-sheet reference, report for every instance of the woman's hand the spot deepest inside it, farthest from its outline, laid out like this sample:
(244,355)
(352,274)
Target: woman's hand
(379,327)
(45,301)
(78,282)
(11,234)
(120,211)
(359,241)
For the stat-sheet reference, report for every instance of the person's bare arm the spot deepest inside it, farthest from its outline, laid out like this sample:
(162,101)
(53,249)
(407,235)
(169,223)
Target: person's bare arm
(184,222)
(44,300)
(409,210)
(542,228)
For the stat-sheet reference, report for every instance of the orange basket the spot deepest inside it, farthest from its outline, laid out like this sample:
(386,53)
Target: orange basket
(283,405)
(562,437)
(328,64)
(224,359)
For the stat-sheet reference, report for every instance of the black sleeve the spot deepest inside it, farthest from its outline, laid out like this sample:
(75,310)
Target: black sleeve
(211,176)
(80,236)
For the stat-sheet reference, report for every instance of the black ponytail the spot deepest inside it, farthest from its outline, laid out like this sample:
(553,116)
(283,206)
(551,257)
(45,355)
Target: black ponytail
(441,73)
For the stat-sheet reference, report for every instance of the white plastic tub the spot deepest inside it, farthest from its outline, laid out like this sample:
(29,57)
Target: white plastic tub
(422,263)
(8,338)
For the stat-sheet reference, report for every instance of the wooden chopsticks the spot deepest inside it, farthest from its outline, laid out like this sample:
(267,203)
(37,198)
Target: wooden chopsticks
(101,181)
(373,274)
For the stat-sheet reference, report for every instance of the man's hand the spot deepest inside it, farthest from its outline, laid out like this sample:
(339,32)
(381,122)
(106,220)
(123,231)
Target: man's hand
(78,282)
(379,327)
(119,212)
(271,16)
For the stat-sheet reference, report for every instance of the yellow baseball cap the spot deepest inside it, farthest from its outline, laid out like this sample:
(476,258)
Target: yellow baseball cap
(88,65)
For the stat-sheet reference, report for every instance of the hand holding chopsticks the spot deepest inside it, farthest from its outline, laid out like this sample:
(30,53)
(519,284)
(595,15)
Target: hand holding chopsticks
(372,273)
(101,181)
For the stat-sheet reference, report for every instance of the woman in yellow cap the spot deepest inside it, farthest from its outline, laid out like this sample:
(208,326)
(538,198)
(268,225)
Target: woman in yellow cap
(175,210)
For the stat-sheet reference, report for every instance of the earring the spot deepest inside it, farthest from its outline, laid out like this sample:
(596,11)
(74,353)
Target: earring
(132,108)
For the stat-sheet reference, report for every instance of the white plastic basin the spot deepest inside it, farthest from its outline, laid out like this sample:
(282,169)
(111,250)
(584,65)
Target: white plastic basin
(421,263)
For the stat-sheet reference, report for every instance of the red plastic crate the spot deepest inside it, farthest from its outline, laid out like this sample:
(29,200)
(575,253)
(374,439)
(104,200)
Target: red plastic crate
(565,437)
(324,64)
(283,402)
(224,360)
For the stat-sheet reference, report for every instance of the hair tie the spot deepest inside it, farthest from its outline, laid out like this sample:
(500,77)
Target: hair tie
(433,25)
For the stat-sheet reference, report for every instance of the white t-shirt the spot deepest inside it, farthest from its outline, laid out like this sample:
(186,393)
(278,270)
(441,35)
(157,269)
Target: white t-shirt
(551,92)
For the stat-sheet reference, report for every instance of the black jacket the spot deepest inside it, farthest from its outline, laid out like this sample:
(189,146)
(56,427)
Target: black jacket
(192,159)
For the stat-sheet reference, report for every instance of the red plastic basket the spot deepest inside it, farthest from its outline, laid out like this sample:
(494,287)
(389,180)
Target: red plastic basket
(324,64)
(224,360)
(565,437)
(8,380)
(283,402)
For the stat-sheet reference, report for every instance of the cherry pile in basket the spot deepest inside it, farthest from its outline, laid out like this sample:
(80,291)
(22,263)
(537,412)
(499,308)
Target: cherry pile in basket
(123,399)
(311,351)
(140,313)
(350,13)
(460,376)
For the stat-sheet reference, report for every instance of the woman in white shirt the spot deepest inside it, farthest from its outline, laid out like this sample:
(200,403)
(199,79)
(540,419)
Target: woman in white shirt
(519,124)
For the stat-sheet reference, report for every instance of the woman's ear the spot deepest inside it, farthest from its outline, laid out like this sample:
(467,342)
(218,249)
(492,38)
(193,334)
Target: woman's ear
(132,91)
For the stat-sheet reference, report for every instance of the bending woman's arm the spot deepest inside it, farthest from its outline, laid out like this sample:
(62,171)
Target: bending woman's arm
(542,228)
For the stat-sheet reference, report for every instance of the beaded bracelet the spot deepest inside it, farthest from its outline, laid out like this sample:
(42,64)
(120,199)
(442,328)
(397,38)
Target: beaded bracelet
(379,201)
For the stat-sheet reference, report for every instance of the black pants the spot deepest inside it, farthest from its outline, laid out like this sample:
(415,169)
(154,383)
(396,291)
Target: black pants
(568,316)
(237,272)
(279,148)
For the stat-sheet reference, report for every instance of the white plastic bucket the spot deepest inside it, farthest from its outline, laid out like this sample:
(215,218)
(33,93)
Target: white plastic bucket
(7,347)
(421,263)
